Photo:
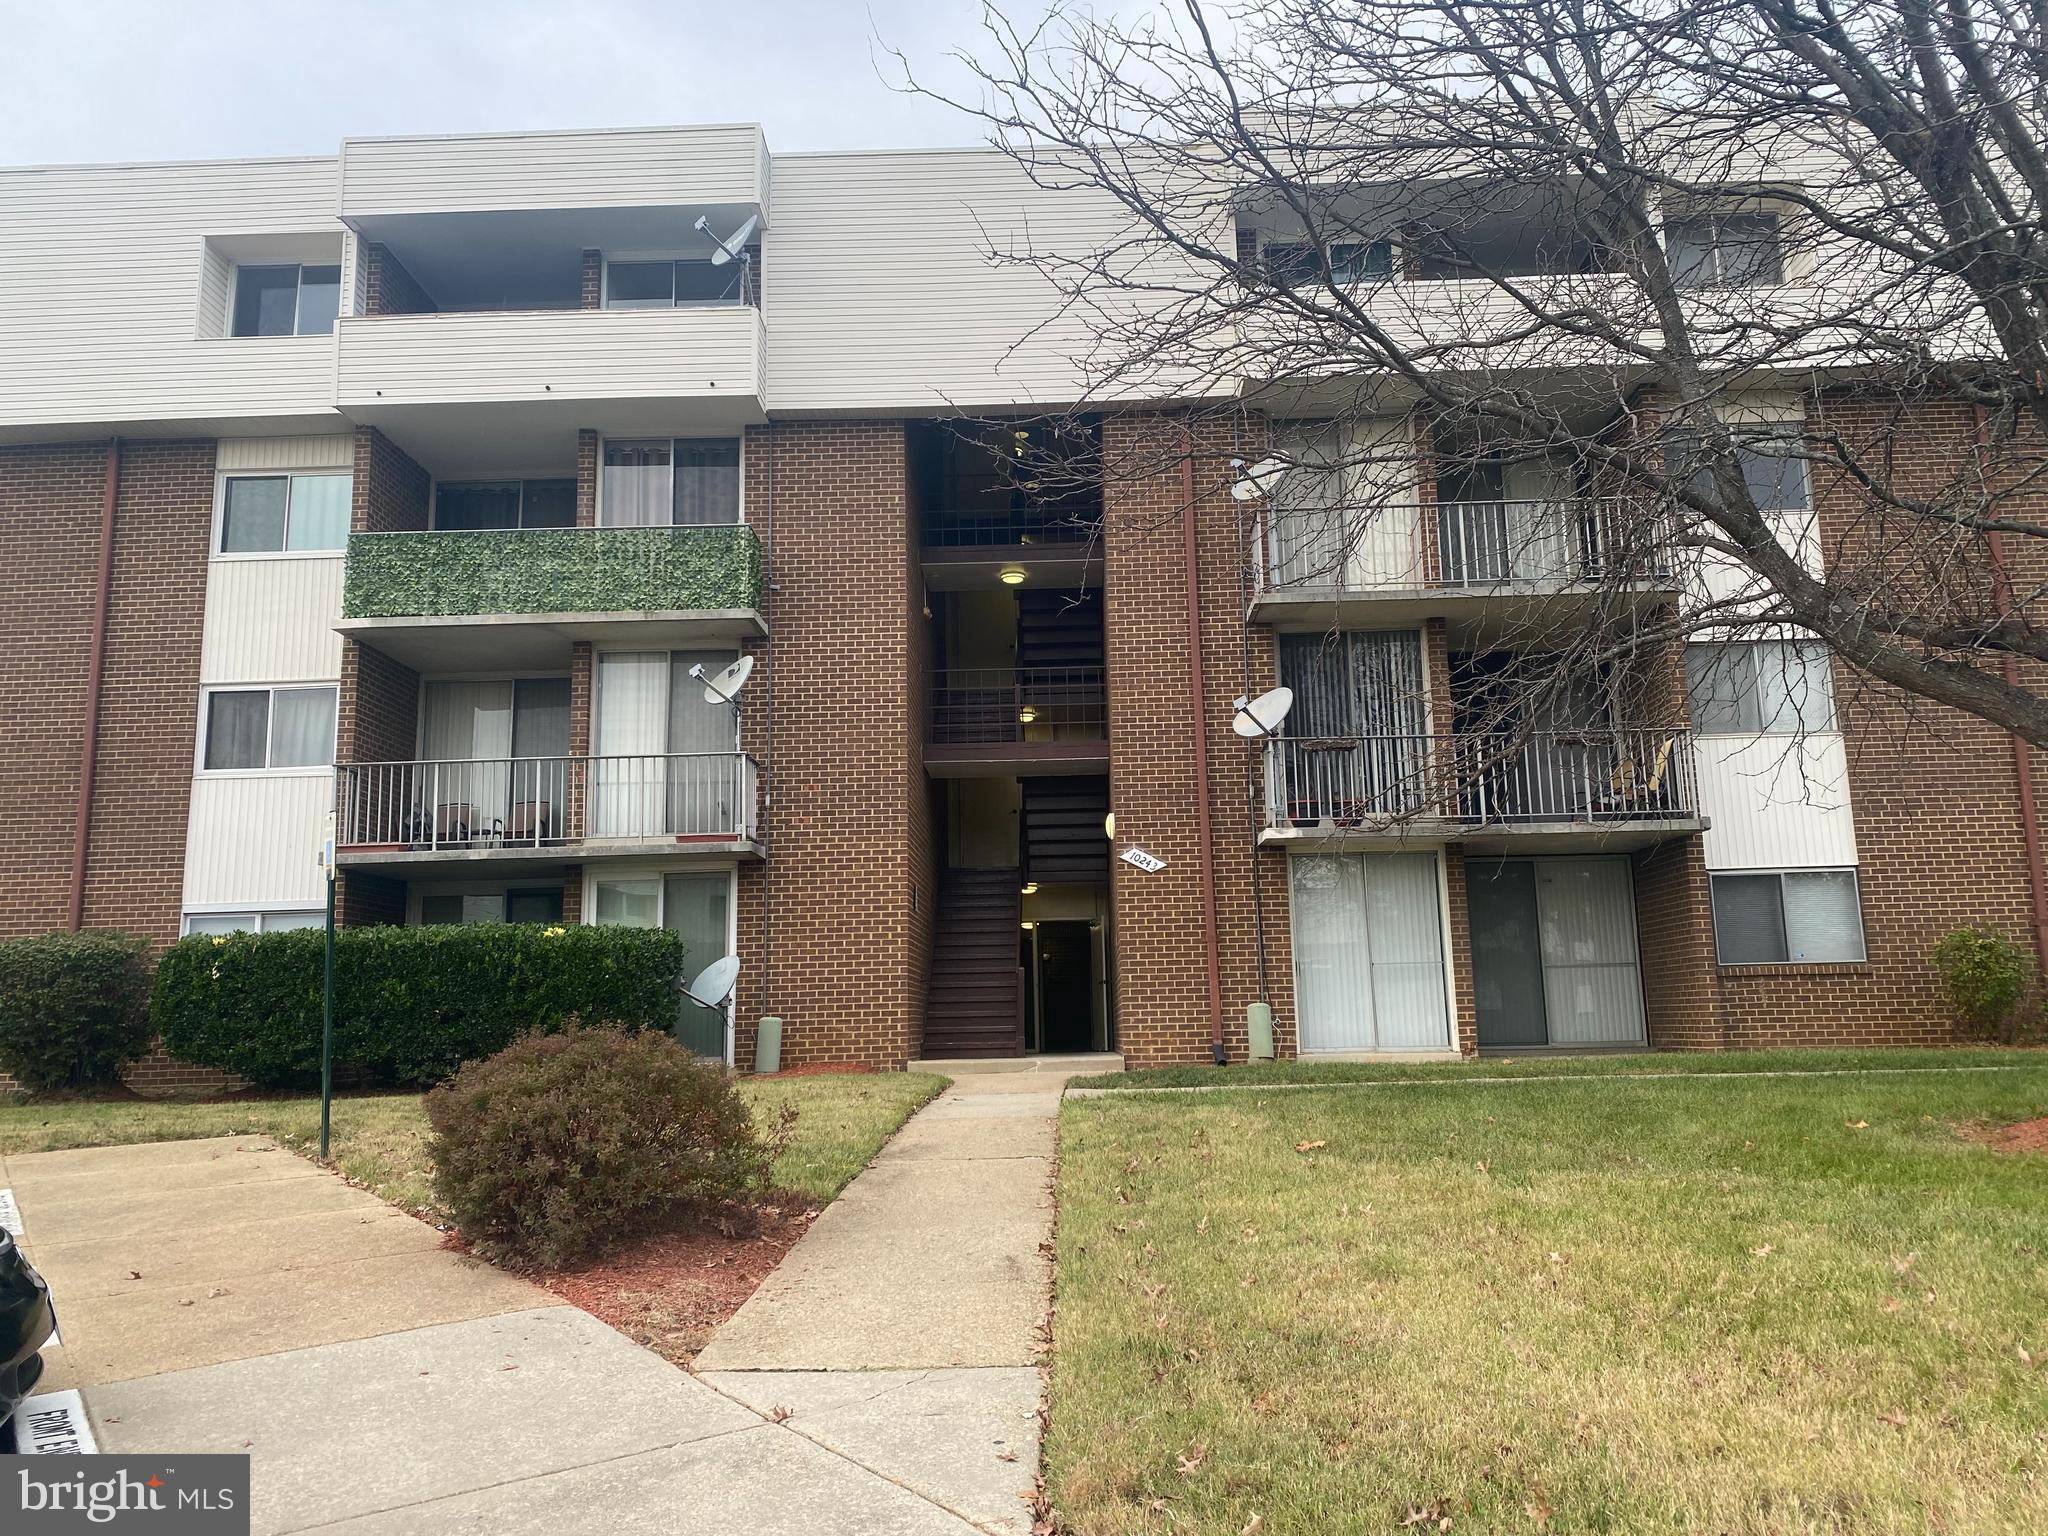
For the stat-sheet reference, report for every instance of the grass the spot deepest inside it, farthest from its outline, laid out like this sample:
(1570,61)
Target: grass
(380,1140)
(1253,1074)
(1730,1305)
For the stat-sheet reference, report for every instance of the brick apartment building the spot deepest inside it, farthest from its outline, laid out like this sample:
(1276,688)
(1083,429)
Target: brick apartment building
(422,486)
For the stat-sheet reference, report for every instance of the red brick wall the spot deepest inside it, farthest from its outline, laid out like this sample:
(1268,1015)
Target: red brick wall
(390,491)
(142,792)
(49,524)
(388,289)
(586,477)
(1162,1001)
(849,804)
(1675,946)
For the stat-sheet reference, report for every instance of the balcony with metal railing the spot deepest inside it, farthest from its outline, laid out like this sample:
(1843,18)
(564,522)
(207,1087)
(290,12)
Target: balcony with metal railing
(520,808)
(1612,787)
(1049,546)
(1394,562)
(994,720)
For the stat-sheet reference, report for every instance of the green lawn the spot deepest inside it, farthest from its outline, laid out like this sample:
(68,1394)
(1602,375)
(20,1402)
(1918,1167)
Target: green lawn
(1618,1065)
(1752,1305)
(381,1140)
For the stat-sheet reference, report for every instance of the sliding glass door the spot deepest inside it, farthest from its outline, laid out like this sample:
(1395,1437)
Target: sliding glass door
(1368,953)
(496,755)
(667,760)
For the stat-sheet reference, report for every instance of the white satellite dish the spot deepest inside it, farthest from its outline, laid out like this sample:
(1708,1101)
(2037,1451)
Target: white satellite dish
(727,250)
(725,687)
(1256,480)
(1262,716)
(714,983)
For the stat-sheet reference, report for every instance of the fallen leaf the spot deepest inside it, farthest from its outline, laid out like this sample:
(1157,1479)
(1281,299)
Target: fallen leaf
(1896,1420)
(1190,1462)
(2025,1358)
(779,1414)
(1310,1146)
(1538,1510)
(1764,1252)
(1892,1304)
(1006,1455)
(1857,1125)
(1251,1526)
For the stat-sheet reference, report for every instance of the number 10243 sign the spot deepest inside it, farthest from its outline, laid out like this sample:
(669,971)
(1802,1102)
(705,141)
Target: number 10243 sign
(1148,862)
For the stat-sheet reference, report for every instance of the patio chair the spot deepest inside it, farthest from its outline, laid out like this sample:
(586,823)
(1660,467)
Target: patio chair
(1632,792)
(531,821)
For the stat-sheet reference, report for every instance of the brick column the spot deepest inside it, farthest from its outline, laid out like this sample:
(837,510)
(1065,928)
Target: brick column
(582,690)
(1465,1011)
(586,477)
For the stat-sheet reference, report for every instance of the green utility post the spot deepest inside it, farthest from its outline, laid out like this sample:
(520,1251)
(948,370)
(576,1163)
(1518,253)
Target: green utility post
(327,1001)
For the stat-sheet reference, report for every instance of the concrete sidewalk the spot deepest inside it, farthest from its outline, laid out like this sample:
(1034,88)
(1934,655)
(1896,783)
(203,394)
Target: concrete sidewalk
(229,1296)
(904,1330)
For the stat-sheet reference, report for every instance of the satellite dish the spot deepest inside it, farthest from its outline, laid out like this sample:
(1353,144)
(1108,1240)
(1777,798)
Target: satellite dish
(714,983)
(725,687)
(727,250)
(1256,480)
(1262,716)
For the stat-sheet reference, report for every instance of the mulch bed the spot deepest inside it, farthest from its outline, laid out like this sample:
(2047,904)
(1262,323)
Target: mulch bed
(669,1291)
(2026,1136)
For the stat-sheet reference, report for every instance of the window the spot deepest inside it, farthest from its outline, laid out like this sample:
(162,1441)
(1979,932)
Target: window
(1725,250)
(690,481)
(675,284)
(1771,917)
(286,301)
(253,922)
(1773,470)
(258,728)
(506,504)
(1294,262)
(629,903)
(1748,687)
(266,514)
(439,908)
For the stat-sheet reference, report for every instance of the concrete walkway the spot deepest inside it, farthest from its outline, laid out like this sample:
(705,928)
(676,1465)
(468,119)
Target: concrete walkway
(229,1296)
(903,1332)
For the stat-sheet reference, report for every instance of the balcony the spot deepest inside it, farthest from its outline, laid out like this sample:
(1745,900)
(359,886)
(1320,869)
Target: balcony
(488,380)
(1017,720)
(498,598)
(1400,562)
(514,809)
(969,549)
(1614,788)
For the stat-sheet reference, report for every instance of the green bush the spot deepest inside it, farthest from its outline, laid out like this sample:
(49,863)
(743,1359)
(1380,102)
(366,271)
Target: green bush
(1989,981)
(561,1146)
(410,1004)
(73,1008)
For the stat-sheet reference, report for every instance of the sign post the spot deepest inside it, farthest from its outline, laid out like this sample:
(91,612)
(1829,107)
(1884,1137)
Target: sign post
(327,998)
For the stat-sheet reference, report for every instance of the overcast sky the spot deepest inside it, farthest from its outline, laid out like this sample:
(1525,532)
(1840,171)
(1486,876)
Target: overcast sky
(96,80)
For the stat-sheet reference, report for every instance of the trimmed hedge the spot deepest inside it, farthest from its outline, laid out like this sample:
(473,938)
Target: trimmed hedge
(551,570)
(562,1147)
(410,1004)
(73,1008)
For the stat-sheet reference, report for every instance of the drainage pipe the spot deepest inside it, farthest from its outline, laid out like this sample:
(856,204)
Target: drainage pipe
(2022,758)
(95,671)
(1197,700)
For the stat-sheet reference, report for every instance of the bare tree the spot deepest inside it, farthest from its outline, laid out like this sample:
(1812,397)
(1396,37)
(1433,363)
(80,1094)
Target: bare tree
(1557,251)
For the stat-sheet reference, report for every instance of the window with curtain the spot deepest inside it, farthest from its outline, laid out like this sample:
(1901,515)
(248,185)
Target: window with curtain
(261,728)
(285,300)
(707,480)
(629,903)
(638,486)
(1774,916)
(1767,687)
(1361,721)
(269,514)
(1772,470)
(253,922)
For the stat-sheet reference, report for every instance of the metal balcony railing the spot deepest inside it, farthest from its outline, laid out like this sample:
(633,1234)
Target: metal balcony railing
(1589,778)
(1018,704)
(1515,545)
(539,802)
(967,529)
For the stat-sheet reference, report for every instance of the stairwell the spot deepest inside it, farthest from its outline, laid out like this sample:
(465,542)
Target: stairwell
(975,1003)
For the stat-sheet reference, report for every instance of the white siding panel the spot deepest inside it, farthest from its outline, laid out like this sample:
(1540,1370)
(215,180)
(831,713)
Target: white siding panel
(255,839)
(573,354)
(880,295)
(106,285)
(1776,802)
(272,621)
(633,168)
(239,453)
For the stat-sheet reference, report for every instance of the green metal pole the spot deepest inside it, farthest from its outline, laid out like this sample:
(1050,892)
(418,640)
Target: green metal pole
(327,1023)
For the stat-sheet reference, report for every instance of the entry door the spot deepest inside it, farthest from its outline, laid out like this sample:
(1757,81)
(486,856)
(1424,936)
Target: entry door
(1592,985)
(695,907)
(1368,953)
(1507,952)
(1066,986)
